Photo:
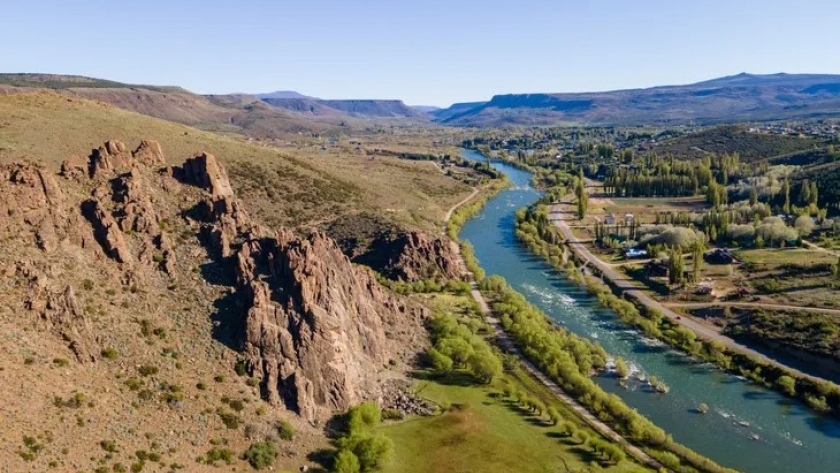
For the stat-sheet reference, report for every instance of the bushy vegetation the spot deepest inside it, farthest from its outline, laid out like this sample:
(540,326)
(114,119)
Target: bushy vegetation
(471,209)
(457,345)
(360,448)
(569,360)
(260,455)
(823,397)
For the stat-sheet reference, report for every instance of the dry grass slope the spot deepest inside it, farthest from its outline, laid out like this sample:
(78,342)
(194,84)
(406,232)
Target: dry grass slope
(298,187)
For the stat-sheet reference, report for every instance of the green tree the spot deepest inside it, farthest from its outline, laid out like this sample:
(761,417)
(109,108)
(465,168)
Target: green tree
(440,362)
(553,415)
(753,196)
(582,197)
(786,191)
(374,452)
(676,266)
(363,417)
(346,462)
(485,366)
(787,384)
(697,252)
(621,369)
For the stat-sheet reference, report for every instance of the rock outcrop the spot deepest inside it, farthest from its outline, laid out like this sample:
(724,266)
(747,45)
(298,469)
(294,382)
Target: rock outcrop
(423,257)
(318,328)
(410,256)
(31,199)
(318,331)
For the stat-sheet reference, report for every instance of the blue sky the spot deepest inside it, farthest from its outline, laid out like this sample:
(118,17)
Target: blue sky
(424,52)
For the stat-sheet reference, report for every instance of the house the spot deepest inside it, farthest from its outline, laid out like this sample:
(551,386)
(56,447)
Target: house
(720,256)
(609,219)
(628,218)
(635,253)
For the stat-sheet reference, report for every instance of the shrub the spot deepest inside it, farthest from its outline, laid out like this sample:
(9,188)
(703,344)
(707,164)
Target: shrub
(133,383)
(346,462)
(366,415)
(61,362)
(147,370)
(110,353)
(285,430)
(260,455)
(109,446)
(231,420)
(219,454)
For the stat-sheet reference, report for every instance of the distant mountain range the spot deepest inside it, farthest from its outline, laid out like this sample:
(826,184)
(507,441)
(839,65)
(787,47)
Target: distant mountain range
(353,108)
(738,98)
(272,115)
(742,97)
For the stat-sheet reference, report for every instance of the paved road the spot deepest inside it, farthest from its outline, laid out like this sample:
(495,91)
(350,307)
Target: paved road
(624,284)
(504,340)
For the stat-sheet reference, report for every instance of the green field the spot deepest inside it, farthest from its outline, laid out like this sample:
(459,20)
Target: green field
(778,257)
(483,431)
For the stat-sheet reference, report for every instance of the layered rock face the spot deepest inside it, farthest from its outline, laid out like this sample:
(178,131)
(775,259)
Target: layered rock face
(318,329)
(411,256)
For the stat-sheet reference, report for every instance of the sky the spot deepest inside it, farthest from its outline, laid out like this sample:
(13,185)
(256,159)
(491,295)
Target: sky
(425,52)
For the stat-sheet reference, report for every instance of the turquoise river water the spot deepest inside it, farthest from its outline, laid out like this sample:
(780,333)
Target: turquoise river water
(748,427)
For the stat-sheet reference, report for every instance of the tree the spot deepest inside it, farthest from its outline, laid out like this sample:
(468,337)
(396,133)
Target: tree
(485,366)
(697,252)
(753,196)
(372,451)
(804,225)
(804,192)
(346,462)
(786,191)
(621,369)
(787,384)
(581,436)
(440,362)
(363,417)
(704,408)
(582,197)
(676,266)
(553,415)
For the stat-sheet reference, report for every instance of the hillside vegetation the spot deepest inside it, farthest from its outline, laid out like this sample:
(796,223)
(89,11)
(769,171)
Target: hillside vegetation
(735,139)
(299,186)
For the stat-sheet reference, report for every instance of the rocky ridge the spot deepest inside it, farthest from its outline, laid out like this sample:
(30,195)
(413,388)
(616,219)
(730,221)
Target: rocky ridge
(319,331)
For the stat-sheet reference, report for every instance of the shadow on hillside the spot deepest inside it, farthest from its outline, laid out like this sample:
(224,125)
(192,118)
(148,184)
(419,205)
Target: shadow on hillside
(455,378)
(228,321)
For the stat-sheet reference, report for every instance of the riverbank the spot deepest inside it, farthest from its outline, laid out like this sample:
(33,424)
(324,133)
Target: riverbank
(679,332)
(668,454)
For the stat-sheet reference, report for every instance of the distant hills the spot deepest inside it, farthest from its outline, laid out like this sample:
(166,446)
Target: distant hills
(738,98)
(353,108)
(271,115)
(742,97)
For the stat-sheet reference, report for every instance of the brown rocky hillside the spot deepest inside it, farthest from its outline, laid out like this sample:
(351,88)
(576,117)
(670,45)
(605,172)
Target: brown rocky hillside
(144,308)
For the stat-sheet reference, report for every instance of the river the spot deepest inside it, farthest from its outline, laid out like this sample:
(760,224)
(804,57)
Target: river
(747,427)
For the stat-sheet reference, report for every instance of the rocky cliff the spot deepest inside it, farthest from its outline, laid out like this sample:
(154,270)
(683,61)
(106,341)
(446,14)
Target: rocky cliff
(318,331)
